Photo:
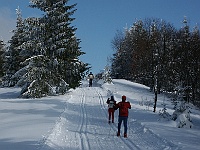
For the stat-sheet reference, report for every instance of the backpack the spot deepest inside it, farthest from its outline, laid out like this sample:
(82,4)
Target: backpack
(111,104)
(91,76)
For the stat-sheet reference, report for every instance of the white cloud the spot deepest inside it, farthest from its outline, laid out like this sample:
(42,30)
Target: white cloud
(7,24)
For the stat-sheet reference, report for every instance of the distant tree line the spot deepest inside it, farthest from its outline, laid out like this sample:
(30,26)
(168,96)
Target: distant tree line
(43,54)
(154,53)
(2,49)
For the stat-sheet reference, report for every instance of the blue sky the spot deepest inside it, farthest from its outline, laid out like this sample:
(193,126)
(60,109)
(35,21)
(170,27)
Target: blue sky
(98,20)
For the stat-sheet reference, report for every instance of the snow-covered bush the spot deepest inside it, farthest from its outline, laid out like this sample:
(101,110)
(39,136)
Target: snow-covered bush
(182,115)
(184,120)
(163,112)
(182,111)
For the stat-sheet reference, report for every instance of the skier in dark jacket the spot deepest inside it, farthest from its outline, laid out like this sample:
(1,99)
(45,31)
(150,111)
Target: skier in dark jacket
(123,114)
(111,104)
(91,77)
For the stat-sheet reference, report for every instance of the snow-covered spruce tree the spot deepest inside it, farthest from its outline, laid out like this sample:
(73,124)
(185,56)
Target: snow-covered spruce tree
(53,38)
(65,47)
(39,73)
(35,80)
(11,56)
(34,72)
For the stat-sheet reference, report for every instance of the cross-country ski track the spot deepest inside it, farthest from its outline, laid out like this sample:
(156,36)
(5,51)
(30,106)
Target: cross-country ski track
(83,125)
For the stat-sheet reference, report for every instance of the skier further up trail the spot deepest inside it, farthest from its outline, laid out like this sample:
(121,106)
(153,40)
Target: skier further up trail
(123,114)
(90,77)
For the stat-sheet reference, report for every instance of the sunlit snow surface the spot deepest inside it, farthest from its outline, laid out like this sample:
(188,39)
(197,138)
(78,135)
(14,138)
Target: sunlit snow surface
(78,120)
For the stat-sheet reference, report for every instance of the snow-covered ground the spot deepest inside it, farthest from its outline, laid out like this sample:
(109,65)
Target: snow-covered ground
(78,120)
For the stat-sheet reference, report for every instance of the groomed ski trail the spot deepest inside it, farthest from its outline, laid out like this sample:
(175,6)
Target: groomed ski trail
(83,125)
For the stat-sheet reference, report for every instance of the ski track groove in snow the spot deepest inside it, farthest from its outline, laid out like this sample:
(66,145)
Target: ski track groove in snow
(127,142)
(83,126)
(100,134)
(92,131)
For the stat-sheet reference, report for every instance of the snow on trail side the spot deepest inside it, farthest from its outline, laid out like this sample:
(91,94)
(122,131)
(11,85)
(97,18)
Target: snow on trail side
(83,125)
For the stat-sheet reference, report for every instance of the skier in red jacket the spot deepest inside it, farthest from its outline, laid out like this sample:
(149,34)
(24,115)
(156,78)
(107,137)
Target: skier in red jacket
(123,114)
(111,104)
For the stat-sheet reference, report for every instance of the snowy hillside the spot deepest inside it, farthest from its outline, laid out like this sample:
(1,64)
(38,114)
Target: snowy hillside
(78,120)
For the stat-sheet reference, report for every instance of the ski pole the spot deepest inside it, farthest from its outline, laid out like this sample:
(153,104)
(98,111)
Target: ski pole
(110,130)
(128,127)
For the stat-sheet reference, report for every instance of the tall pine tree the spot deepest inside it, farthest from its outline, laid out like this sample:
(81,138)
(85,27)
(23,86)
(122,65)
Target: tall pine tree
(53,50)
(2,51)
(160,56)
(12,58)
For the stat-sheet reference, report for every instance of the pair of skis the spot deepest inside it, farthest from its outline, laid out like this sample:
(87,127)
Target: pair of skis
(118,135)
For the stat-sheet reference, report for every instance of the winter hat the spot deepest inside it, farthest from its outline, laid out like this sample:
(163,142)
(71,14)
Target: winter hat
(112,98)
(123,98)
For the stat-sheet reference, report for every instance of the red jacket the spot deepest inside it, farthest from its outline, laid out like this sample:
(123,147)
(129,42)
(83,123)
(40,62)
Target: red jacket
(123,108)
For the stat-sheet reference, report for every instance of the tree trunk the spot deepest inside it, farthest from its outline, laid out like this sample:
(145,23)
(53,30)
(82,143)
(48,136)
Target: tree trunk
(155,101)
